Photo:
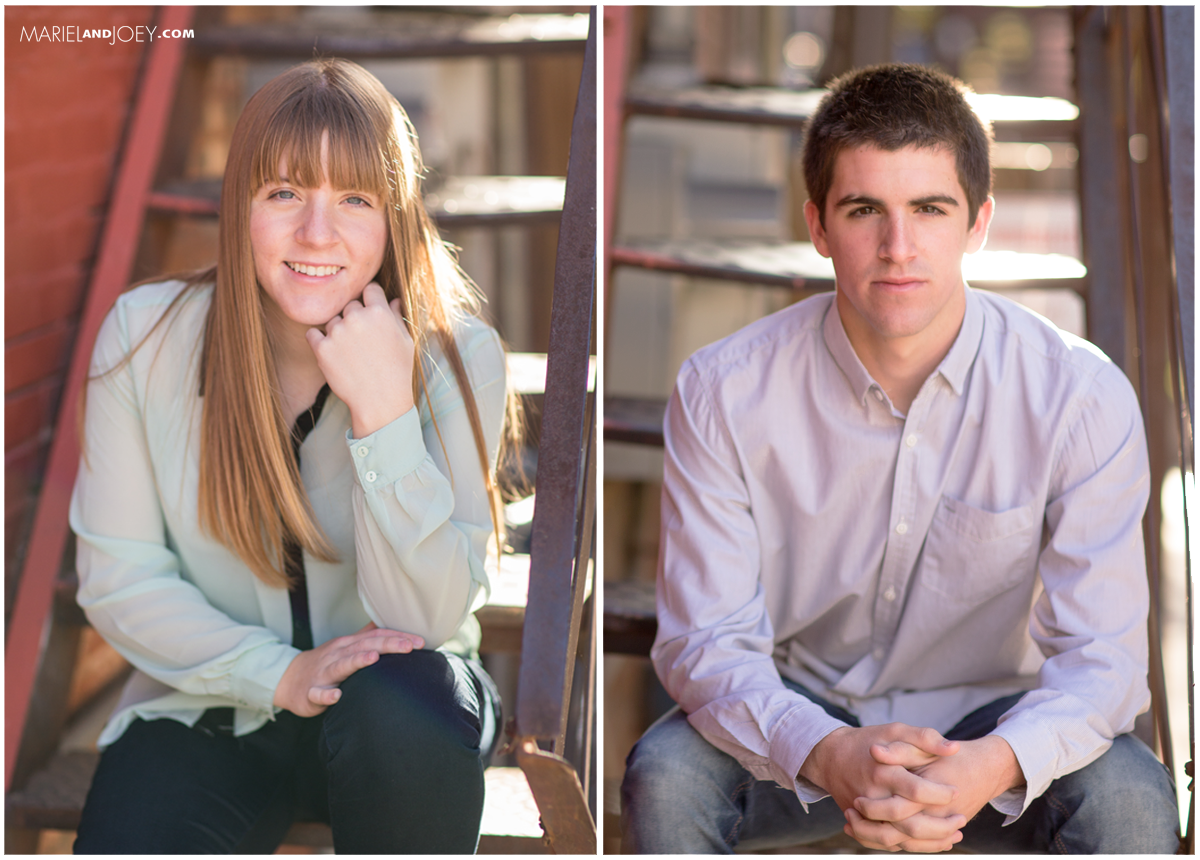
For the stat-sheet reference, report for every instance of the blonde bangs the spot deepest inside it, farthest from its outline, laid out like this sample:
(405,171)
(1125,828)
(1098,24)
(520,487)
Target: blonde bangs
(293,138)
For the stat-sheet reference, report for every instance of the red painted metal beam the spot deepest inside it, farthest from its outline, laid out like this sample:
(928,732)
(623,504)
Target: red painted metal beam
(118,245)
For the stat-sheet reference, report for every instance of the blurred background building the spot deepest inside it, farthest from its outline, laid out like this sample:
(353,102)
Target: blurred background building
(707,146)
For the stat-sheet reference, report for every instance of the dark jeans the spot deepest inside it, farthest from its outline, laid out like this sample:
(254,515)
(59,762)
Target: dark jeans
(681,795)
(396,767)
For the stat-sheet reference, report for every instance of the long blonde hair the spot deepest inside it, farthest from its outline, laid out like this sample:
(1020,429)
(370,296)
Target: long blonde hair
(251,497)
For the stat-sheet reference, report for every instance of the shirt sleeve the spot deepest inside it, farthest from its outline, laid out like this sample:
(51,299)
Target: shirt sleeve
(131,585)
(422,519)
(715,638)
(1090,620)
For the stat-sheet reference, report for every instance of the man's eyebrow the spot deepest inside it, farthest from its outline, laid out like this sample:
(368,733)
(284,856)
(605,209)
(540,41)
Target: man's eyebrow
(862,200)
(934,198)
(859,200)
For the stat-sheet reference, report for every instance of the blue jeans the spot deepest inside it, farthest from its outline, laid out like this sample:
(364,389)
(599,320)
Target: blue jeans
(682,795)
(396,767)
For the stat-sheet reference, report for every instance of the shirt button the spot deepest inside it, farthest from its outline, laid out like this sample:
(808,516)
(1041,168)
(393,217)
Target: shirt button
(911,441)
(877,654)
(901,528)
(370,476)
(889,595)
(363,450)
(878,395)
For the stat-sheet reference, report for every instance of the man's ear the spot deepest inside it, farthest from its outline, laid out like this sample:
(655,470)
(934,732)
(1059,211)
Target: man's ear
(813,216)
(977,235)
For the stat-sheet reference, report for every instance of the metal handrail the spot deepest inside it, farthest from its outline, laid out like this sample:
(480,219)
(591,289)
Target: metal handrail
(565,508)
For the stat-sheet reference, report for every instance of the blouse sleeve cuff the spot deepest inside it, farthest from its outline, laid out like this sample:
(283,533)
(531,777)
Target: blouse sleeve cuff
(258,672)
(390,453)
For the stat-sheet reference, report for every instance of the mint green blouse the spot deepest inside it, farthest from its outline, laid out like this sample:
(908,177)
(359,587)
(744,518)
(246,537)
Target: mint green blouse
(407,513)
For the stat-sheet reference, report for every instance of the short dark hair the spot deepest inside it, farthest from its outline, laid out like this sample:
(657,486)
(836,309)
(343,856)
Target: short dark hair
(893,106)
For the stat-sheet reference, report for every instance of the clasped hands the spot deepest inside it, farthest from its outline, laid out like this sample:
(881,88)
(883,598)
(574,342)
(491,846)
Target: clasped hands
(907,788)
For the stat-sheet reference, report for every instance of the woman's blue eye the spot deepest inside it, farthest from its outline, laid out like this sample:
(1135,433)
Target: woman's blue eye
(284,194)
(357,201)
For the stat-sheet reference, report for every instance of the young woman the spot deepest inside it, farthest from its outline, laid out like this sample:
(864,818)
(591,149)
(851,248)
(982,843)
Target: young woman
(286,503)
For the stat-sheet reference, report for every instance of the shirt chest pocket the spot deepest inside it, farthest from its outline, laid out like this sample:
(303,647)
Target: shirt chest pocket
(973,554)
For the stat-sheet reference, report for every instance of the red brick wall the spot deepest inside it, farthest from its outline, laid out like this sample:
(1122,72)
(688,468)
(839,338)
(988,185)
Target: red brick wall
(66,109)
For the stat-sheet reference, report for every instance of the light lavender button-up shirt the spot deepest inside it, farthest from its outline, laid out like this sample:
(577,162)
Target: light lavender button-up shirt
(906,567)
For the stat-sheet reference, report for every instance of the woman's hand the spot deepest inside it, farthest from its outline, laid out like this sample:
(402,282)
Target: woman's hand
(366,355)
(310,682)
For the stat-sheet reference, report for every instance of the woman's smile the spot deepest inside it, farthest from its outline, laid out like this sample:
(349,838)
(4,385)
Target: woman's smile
(313,270)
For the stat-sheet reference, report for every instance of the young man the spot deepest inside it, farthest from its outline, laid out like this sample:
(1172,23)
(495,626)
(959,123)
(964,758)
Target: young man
(904,513)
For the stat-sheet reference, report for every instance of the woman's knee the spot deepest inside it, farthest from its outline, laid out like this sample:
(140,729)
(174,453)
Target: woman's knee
(401,751)
(426,701)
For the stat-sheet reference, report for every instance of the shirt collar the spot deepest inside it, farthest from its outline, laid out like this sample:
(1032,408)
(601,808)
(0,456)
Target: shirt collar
(843,353)
(957,363)
(954,366)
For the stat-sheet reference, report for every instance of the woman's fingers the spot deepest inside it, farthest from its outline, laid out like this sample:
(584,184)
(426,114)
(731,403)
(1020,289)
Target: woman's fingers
(345,665)
(390,641)
(372,632)
(367,356)
(310,682)
(351,653)
(373,295)
(323,697)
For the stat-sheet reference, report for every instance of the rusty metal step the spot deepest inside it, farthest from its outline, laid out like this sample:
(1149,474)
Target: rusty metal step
(1014,118)
(798,266)
(501,620)
(54,796)
(793,265)
(399,34)
(630,623)
(637,420)
(458,201)
(752,105)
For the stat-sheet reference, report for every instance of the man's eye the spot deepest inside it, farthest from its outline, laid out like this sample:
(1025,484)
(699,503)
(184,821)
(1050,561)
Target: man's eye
(864,210)
(931,210)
